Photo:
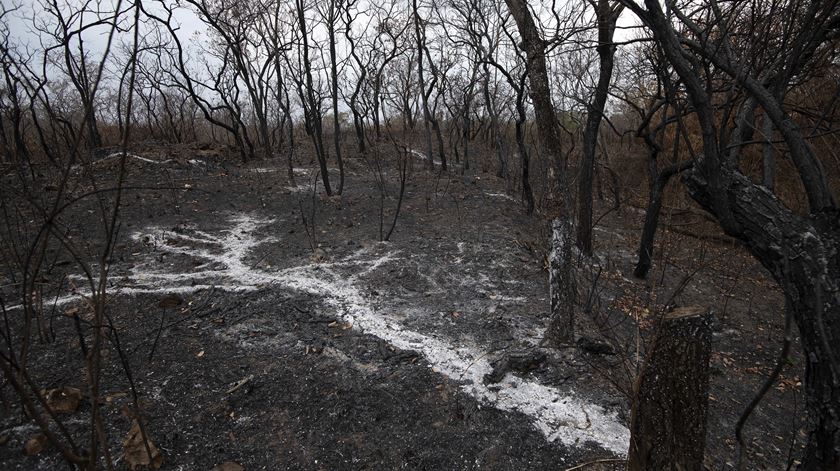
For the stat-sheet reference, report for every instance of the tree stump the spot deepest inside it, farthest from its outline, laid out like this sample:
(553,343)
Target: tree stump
(561,284)
(668,420)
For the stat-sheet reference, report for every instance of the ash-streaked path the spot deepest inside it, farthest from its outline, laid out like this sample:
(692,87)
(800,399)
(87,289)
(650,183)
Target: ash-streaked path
(220,262)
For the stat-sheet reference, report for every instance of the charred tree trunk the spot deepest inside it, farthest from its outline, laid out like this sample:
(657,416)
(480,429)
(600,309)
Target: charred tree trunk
(668,420)
(494,123)
(768,159)
(562,290)
(525,158)
(658,182)
(420,37)
(377,104)
(313,112)
(333,20)
(561,285)
(802,256)
(801,252)
(607,15)
(94,137)
(546,119)
(527,192)
(441,148)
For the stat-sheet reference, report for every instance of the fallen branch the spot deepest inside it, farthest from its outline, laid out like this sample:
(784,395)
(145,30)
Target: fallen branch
(240,383)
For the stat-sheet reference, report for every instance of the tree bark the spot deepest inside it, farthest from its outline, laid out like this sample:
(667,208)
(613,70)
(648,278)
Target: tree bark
(561,275)
(607,16)
(561,285)
(668,419)
(768,159)
(313,113)
(494,123)
(420,37)
(333,20)
(540,91)
(802,253)
(657,188)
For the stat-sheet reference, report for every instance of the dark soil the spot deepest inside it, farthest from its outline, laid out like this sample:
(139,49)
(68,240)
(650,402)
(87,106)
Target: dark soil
(273,376)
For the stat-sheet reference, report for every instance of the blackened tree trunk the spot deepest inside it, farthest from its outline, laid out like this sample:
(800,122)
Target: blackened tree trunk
(800,251)
(563,296)
(668,418)
(94,136)
(546,119)
(607,15)
(420,38)
(332,23)
(377,104)
(312,111)
(658,182)
(358,119)
(494,123)
(527,191)
(768,158)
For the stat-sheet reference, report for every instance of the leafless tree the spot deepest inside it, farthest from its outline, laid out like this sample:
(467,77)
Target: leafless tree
(799,250)
(311,104)
(606,16)
(331,13)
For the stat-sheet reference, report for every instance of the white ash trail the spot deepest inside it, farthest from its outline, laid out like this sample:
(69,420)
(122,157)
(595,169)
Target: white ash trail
(500,195)
(561,417)
(134,156)
(566,418)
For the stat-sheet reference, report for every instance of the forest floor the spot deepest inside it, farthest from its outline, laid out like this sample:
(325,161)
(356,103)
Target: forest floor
(259,339)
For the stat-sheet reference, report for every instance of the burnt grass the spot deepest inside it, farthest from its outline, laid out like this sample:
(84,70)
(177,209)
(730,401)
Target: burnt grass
(315,394)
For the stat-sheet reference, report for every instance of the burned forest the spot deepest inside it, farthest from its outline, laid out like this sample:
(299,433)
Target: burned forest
(420,234)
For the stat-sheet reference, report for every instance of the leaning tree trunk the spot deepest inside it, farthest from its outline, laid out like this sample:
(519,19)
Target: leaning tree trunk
(668,419)
(420,37)
(545,116)
(801,252)
(803,256)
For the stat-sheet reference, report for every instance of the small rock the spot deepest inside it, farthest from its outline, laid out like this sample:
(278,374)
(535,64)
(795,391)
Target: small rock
(35,444)
(170,301)
(595,346)
(521,362)
(63,400)
(228,466)
(526,361)
(318,255)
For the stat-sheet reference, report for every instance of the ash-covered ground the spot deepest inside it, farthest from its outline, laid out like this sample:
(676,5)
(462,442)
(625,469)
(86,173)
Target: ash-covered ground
(267,324)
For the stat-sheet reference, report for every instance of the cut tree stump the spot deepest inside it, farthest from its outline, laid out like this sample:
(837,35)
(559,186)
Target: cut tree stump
(668,421)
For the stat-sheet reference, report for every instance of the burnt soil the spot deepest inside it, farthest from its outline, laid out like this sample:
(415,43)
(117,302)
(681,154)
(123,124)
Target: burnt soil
(273,377)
